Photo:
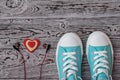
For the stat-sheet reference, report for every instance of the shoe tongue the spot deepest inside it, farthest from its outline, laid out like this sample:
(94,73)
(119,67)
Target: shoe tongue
(102,76)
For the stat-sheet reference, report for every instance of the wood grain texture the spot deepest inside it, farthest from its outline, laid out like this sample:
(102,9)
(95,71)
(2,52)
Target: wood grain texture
(48,20)
(58,8)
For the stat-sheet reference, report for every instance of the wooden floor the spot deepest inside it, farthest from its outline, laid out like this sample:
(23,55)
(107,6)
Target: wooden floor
(48,20)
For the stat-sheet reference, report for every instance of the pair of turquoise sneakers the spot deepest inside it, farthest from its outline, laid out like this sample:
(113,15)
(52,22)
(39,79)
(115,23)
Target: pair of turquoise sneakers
(99,53)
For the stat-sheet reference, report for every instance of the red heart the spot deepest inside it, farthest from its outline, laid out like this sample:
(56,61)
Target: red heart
(31,45)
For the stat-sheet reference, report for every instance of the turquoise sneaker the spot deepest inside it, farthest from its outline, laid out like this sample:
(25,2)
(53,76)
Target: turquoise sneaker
(100,56)
(69,57)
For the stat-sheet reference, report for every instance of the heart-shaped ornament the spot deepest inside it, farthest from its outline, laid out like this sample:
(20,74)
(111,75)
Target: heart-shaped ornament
(31,45)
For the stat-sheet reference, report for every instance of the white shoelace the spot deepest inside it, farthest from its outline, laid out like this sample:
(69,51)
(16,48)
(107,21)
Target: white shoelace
(70,67)
(101,61)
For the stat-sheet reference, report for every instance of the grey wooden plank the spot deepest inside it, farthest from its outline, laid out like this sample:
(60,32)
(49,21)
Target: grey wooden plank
(47,29)
(61,8)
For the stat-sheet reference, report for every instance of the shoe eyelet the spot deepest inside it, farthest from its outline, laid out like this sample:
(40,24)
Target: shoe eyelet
(63,79)
(62,60)
(62,54)
(76,59)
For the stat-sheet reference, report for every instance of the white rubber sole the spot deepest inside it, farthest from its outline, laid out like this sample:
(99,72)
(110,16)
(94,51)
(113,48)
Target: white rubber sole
(62,38)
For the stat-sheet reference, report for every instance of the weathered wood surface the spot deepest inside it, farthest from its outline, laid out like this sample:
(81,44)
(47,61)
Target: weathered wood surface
(58,8)
(49,20)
